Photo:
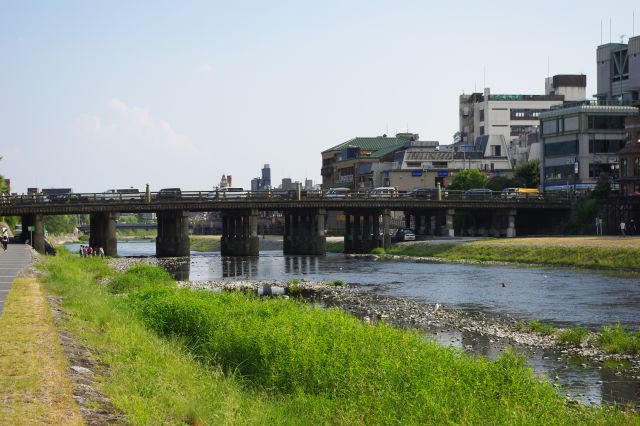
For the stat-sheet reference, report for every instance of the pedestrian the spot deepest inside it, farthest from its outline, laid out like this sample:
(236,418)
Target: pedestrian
(100,251)
(632,227)
(89,251)
(622,228)
(5,238)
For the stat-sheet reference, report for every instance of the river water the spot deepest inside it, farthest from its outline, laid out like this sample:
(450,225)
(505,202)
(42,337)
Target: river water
(563,296)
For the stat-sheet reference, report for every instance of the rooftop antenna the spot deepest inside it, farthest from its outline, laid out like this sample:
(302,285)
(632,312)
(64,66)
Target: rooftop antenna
(484,77)
(609,29)
(633,26)
(548,73)
(601,31)
(622,36)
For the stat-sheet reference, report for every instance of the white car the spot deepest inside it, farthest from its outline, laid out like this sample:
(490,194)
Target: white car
(225,193)
(338,193)
(384,192)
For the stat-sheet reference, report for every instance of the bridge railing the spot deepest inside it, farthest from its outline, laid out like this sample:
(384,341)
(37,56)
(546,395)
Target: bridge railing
(280,195)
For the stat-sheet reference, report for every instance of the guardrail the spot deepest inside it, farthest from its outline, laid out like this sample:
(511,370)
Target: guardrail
(279,195)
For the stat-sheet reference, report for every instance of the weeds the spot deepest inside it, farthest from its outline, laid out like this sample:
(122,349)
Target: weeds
(378,250)
(619,339)
(573,336)
(541,328)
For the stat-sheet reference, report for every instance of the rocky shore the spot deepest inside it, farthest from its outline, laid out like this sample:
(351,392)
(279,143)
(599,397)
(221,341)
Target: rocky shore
(499,329)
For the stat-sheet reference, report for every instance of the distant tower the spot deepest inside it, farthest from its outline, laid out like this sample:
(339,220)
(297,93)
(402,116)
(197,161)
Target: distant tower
(223,181)
(266,177)
(229,181)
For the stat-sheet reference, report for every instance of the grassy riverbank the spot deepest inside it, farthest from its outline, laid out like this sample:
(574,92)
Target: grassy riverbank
(214,358)
(543,251)
(204,243)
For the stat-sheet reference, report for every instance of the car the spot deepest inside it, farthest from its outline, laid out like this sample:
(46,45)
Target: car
(478,194)
(338,193)
(403,234)
(384,192)
(511,193)
(428,193)
(225,193)
(169,194)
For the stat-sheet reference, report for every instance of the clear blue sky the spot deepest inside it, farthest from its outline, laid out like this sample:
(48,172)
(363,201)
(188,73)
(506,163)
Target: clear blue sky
(100,95)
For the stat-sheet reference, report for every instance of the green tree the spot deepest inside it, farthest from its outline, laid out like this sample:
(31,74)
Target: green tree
(498,183)
(603,187)
(60,224)
(468,179)
(527,174)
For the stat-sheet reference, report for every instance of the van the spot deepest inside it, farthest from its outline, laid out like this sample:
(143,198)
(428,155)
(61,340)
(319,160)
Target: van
(169,194)
(338,193)
(384,192)
(230,193)
(478,194)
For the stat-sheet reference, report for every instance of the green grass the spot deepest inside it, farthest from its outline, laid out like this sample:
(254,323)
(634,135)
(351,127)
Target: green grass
(202,244)
(232,358)
(335,246)
(573,336)
(607,257)
(378,250)
(143,234)
(619,339)
(541,328)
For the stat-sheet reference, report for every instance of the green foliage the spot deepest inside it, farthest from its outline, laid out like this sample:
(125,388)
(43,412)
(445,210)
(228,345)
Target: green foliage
(378,250)
(583,216)
(541,328)
(294,281)
(573,336)
(607,257)
(131,219)
(619,339)
(603,187)
(139,277)
(498,183)
(11,221)
(527,174)
(288,363)
(335,246)
(468,179)
(201,244)
(60,224)
(336,283)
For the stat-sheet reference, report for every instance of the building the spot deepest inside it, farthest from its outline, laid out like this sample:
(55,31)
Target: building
(580,142)
(287,184)
(361,162)
(630,158)
(266,177)
(256,184)
(618,66)
(526,147)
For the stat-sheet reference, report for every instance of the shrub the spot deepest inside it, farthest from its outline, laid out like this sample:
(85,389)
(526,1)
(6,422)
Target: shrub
(619,339)
(574,336)
(337,283)
(378,250)
(541,328)
(139,277)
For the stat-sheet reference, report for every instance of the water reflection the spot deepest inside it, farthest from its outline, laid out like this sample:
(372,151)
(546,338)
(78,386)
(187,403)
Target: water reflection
(239,267)
(178,268)
(302,265)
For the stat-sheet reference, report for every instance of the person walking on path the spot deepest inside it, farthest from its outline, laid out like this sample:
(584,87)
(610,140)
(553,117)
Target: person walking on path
(5,238)
(632,227)
(622,228)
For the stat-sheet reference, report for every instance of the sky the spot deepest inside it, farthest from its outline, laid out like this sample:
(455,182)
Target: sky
(103,95)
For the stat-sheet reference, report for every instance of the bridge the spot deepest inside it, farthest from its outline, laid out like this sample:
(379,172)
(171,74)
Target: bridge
(366,219)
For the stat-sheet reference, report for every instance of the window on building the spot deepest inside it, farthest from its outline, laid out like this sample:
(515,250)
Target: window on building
(496,150)
(623,167)
(620,65)
(561,148)
(526,114)
(518,130)
(481,113)
(606,122)
(481,130)
(564,171)
(571,124)
(605,146)
(549,127)
(440,164)
(636,166)
(597,169)
(414,164)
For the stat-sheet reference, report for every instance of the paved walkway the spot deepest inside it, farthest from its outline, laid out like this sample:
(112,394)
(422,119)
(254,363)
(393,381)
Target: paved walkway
(12,261)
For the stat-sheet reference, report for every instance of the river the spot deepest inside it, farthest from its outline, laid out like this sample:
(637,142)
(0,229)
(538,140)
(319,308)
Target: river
(563,296)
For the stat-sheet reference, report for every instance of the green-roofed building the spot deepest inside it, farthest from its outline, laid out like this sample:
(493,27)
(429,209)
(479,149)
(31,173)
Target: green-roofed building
(362,162)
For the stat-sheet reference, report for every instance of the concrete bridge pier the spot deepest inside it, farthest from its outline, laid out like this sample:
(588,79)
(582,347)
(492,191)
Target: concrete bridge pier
(447,229)
(173,234)
(511,223)
(363,231)
(304,232)
(420,222)
(37,221)
(102,232)
(240,233)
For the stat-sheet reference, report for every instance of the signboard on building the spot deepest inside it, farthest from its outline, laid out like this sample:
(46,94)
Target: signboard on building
(443,173)
(416,173)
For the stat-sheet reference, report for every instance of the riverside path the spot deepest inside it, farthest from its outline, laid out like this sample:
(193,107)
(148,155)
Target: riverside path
(12,262)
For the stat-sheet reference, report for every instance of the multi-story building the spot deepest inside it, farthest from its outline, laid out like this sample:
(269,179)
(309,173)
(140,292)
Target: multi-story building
(630,158)
(509,116)
(265,182)
(361,162)
(580,142)
(619,71)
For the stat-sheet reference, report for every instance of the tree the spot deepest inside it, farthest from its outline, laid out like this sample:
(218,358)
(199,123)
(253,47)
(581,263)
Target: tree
(603,187)
(527,174)
(498,183)
(468,179)
(60,224)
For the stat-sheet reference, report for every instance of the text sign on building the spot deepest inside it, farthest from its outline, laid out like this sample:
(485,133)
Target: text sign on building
(443,173)
(416,173)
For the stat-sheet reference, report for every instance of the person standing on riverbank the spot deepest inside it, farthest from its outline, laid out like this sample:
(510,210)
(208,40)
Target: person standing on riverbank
(5,238)
(622,228)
